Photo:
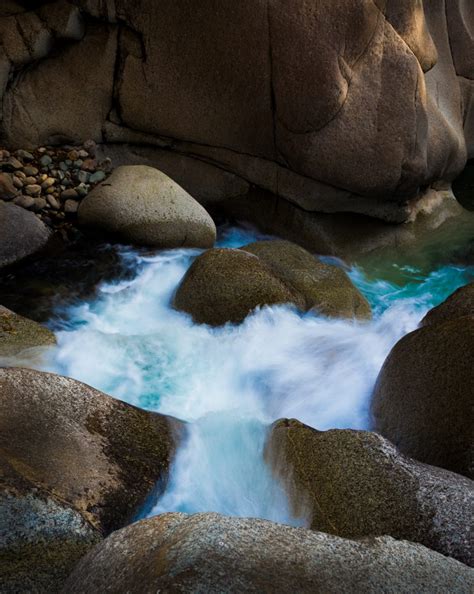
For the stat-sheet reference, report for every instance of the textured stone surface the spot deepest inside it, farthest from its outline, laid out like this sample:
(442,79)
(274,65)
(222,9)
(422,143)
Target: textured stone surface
(457,305)
(145,206)
(423,398)
(355,484)
(21,234)
(75,465)
(18,333)
(213,553)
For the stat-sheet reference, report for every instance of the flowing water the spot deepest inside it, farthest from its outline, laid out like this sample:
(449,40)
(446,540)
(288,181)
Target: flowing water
(231,383)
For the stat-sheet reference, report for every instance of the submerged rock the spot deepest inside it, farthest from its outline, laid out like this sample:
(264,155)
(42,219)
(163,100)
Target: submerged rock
(356,484)
(423,398)
(18,334)
(144,206)
(457,305)
(225,285)
(21,234)
(75,465)
(213,553)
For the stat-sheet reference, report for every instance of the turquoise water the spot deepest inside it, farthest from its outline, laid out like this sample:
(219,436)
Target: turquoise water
(230,383)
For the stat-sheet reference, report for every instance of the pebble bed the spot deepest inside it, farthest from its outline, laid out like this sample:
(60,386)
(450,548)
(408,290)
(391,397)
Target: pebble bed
(51,181)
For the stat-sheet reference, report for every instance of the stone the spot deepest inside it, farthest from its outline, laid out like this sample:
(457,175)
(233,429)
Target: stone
(69,195)
(89,464)
(214,553)
(356,484)
(7,187)
(45,161)
(25,156)
(17,182)
(33,189)
(18,334)
(53,202)
(82,189)
(144,206)
(73,155)
(12,164)
(71,206)
(21,234)
(30,181)
(423,398)
(457,305)
(47,183)
(326,289)
(39,204)
(30,171)
(97,177)
(24,201)
(83,154)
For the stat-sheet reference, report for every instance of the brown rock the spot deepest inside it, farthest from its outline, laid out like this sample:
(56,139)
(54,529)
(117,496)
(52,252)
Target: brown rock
(33,189)
(18,334)
(69,195)
(458,305)
(25,202)
(30,171)
(71,206)
(7,187)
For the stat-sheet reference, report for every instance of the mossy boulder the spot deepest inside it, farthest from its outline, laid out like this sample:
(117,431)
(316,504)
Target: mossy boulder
(75,465)
(18,334)
(457,305)
(357,484)
(326,288)
(225,285)
(423,397)
(144,206)
(213,553)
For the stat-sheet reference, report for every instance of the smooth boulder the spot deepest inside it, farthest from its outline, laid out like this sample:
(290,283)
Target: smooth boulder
(22,234)
(213,553)
(18,334)
(357,484)
(423,397)
(326,289)
(457,305)
(142,205)
(75,465)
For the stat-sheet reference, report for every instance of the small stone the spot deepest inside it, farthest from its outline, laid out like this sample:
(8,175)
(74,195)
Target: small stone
(82,189)
(17,182)
(33,189)
(12,164)
(60,175)
(39,204)
(69,195)
(7,187)
(45,160)
(83,177)
(89,165)
(20,175)
(106,165)
(83,154)
(90,146)
(73,155)
(68,162)
(48,182)
(71,206)
(30,170)
(78,163)
(41,150)
(24,155)
(24,201)
(97,177)
(53,202)
(4,154)
(30,180)
(67,182)
(50,190)
(43,177)
(63,166)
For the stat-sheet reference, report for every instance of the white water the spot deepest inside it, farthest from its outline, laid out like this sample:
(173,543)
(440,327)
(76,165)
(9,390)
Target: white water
(231,383)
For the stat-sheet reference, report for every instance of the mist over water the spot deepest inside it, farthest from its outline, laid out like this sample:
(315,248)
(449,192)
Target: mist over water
(231,383)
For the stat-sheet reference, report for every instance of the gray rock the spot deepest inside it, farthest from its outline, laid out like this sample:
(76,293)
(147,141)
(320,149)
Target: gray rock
(53,202)
(39,204)
(46,160)
(21,234)
(8,187)
(18,334)
(214,554)
(29,171)
(25,202)
(144,206)
(71,206)
(457,305)
(25,156)
(97,177)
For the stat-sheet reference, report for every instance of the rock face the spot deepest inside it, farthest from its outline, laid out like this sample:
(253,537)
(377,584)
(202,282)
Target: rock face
(302,109)
(21,234)
(457,305)
(18,333)
(145,206)
(75,464)
(422,400)
(213,553)
(225,285)
(356,484)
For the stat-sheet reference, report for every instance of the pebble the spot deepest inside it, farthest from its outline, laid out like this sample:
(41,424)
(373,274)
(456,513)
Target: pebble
(39,204)
(24,155)
(33,190)
(50,190)
(71,206)
(83,177)
(82,189)
(20,175)
(48,182)
(53,202)
(69,195)
(4,154)
(17,182)
(30,180)
(45,160)
(83,154)
(63,166)
(89,165)
(24,201)
(7,188)
(41,149)
(29,170)
(90,146)
(97,177)
(12,164)
(73,155)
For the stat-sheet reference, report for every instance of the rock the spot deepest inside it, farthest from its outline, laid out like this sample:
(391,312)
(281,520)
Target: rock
(71,206)
(88,463)
(69,195)
(73,155)
(7,187)
(25,202)
(25,156)
(47,183)
(144,206)
(39,204)
(17,182)
(18,334)
(214,553)
(12,164)
(83,177)
(45,161)
(82,190)
(97,177)
(422,400)
(33,189)
(457,305)
(21,234)
(30,171)
(356,484)
(225,285)
(30,181)
(53,202)
(326,289)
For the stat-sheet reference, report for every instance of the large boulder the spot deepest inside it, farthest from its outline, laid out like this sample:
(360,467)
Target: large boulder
(75,465)
(21,234)
(144,206)
(326,289)
(213,553)
(225,285)
(423,398)
(457,305)
(18,334)
(356,484)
